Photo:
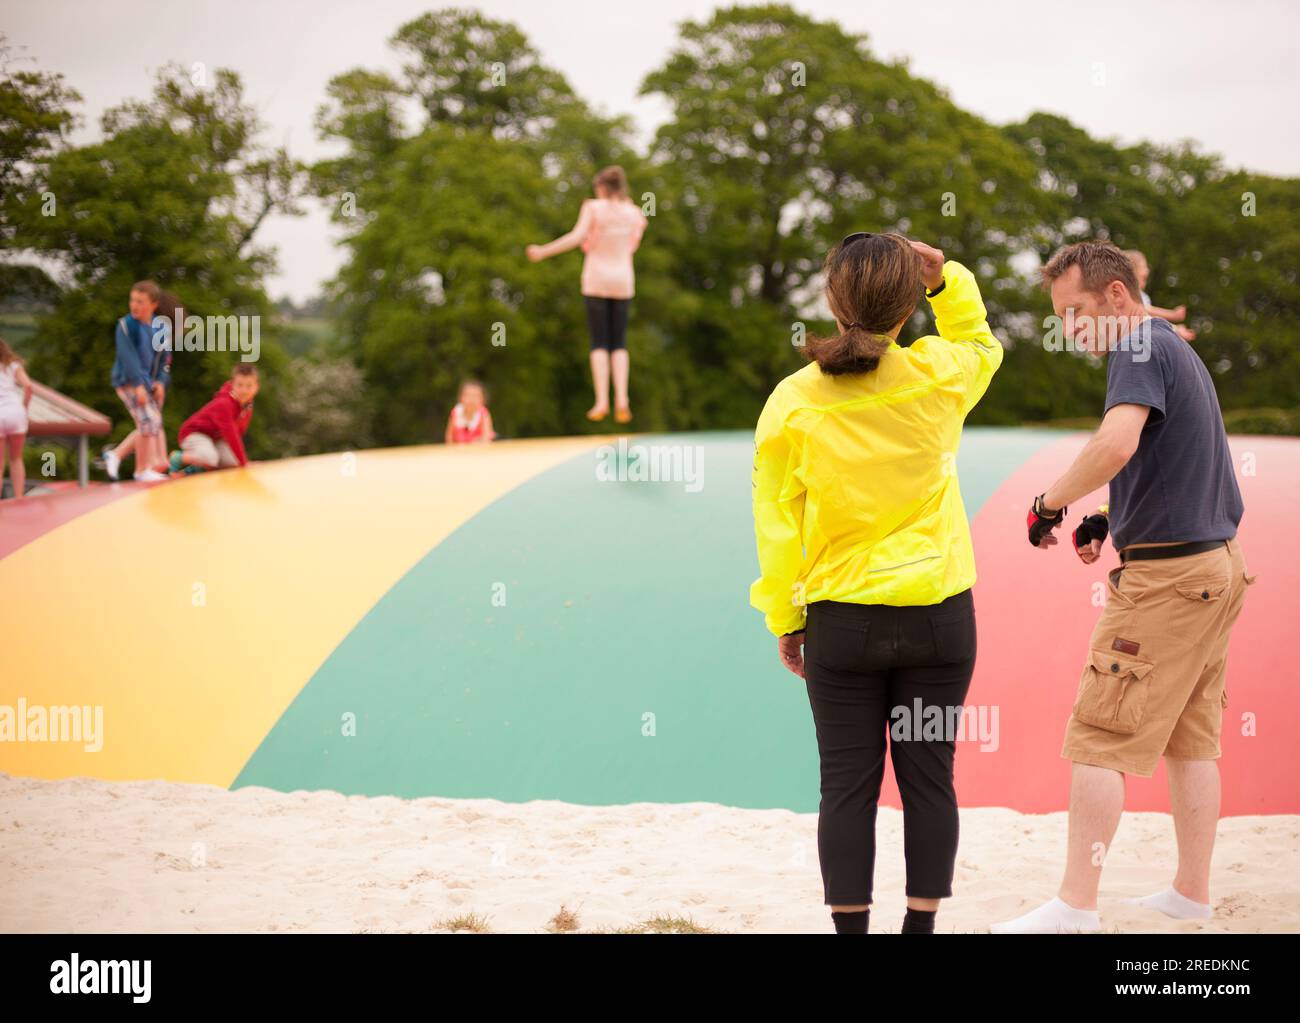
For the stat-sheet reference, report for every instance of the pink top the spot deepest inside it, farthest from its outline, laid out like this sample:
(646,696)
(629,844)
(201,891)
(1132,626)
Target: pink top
(467,429)
(609,231)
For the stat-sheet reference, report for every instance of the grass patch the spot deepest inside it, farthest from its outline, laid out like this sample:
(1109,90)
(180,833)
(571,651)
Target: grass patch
(475,923)
(564,922)
(663,925)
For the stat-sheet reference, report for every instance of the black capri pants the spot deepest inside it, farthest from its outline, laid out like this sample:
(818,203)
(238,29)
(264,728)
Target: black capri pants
(607,321)
(866,667)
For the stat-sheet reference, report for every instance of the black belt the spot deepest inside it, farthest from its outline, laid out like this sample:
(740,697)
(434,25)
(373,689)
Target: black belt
(1177,550)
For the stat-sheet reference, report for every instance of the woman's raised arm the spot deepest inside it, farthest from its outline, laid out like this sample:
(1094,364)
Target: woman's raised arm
(566,241)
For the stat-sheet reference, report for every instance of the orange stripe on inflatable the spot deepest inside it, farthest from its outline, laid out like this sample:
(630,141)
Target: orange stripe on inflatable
(192,613)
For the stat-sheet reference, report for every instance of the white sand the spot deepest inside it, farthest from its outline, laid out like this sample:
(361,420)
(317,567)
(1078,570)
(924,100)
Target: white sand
(86,855)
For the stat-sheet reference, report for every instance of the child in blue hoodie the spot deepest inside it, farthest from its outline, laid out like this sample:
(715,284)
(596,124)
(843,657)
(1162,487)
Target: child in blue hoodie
(140,378)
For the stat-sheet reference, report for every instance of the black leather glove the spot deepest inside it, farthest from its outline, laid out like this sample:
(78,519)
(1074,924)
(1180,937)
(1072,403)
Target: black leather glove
(1042,521)
(1093,527)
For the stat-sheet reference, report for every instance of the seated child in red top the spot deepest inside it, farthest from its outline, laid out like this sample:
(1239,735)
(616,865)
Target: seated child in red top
(470,421)
(213,438)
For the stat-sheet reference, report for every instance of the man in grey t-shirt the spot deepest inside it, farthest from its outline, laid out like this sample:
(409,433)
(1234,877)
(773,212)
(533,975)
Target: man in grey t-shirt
(1179,485)
(1153,682)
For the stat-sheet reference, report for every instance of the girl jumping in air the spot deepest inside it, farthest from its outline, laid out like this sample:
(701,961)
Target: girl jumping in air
(609,229)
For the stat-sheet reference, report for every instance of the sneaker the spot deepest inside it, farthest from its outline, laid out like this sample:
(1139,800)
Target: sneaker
(149,476)
(174,463)
(111,463)
(1054,917)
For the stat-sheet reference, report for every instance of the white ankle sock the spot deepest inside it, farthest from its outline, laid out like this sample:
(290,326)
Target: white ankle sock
(1055,917)
(1174,903)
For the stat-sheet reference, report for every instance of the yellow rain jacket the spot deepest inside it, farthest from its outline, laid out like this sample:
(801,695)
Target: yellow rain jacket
(855,476)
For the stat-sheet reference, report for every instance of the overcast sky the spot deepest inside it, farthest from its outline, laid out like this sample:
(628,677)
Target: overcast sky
(1225,74)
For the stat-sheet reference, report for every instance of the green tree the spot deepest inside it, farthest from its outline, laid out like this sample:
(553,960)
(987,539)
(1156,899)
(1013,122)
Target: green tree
(321,407)
(787,133)
(175,191)
(36,116)
(1225,243)
(436,217)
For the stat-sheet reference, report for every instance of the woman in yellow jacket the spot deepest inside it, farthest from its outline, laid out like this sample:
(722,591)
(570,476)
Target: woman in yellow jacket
(866,556)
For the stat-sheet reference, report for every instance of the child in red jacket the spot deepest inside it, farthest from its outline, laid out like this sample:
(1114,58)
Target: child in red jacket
(213,438)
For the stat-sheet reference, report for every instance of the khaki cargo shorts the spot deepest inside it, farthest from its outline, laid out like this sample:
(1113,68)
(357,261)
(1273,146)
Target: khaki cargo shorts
(213,454)
(1153,685)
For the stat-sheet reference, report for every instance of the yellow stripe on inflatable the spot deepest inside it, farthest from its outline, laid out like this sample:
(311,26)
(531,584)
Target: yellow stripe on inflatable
(191,614)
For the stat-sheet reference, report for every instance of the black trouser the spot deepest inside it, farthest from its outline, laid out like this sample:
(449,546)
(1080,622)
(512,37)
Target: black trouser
(866,666)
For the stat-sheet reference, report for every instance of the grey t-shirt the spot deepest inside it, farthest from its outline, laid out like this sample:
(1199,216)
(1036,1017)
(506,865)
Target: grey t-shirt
(1179,485)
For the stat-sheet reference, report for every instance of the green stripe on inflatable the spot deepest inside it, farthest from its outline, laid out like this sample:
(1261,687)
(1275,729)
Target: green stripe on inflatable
(581,639)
